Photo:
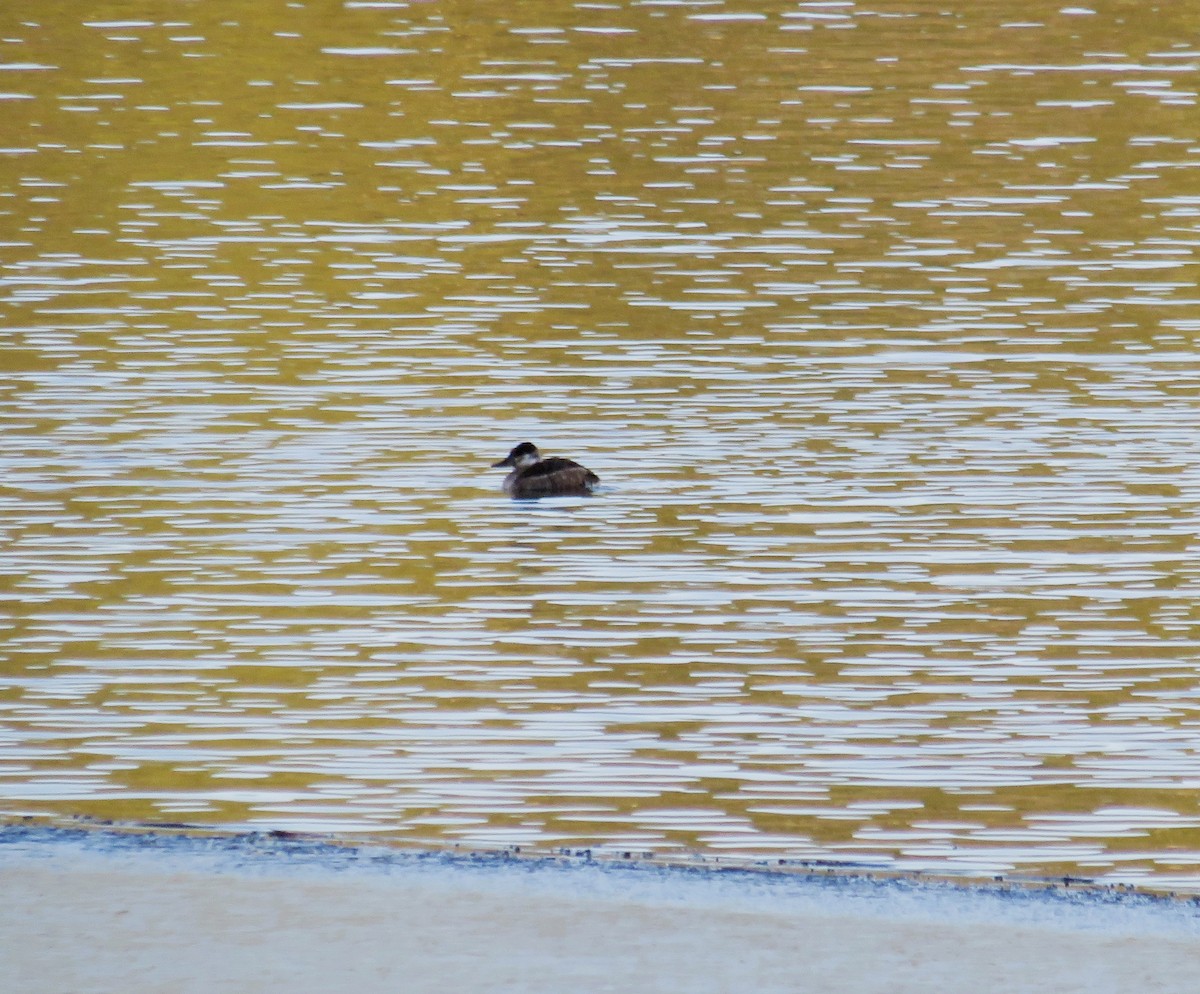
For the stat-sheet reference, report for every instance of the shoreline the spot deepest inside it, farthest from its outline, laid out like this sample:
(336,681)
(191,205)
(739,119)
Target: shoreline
(375,850)
(144,909)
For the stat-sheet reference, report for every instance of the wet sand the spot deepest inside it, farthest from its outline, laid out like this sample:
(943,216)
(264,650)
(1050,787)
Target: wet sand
(86,917)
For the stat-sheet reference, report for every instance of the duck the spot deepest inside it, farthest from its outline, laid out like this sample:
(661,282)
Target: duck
(532,476)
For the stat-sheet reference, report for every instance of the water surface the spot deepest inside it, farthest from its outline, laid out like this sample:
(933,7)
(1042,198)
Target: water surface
(878,322)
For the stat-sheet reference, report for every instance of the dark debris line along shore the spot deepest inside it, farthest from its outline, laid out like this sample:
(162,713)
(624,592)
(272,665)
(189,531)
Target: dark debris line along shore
(280,849)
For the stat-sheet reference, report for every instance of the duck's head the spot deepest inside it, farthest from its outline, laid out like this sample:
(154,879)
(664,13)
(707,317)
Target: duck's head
(525,454)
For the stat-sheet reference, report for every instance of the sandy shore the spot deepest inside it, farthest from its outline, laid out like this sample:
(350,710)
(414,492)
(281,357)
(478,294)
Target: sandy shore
(80,917)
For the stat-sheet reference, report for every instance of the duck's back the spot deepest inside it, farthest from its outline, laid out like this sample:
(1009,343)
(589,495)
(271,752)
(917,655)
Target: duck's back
(553,477)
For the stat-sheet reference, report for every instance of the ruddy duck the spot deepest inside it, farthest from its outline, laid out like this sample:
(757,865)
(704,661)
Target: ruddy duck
(533,476)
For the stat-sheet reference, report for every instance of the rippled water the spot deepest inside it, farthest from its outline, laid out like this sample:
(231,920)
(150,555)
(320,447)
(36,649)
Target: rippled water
(878,323)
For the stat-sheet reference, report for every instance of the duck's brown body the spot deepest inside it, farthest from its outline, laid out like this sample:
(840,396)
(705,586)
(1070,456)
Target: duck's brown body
(532,476)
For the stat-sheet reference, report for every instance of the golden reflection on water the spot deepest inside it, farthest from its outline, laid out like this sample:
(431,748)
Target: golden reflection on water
(877,322)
